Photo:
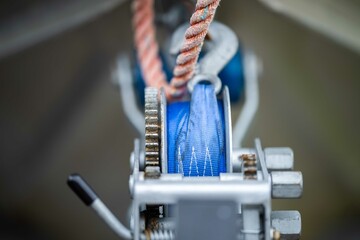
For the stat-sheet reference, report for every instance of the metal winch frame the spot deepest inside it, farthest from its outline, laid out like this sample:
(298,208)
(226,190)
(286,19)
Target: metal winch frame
(270,177)
(238,201)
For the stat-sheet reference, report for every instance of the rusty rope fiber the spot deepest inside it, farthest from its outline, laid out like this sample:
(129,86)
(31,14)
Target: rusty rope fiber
(147,47)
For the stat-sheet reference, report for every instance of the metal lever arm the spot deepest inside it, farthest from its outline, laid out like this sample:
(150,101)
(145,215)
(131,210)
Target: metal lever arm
(89,197)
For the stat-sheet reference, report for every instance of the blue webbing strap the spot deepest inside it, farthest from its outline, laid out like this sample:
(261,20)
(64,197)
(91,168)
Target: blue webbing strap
(196,142)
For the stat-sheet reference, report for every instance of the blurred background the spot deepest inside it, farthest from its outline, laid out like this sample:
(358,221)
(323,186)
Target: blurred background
(60,113)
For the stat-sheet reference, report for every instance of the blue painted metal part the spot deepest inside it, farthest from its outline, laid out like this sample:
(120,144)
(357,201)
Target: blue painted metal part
(196,134)
(232,76)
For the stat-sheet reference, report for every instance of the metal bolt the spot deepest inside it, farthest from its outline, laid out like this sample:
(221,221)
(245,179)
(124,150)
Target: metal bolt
(142,161)
(132,161)
(279,158)
(286,184)
(287,223)
(131,185)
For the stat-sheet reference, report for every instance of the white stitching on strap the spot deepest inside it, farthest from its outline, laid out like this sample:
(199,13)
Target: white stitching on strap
(180,162)
(208,158)
(193,157)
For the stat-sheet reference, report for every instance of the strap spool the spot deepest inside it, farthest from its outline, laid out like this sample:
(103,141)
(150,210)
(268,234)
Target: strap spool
(196,134)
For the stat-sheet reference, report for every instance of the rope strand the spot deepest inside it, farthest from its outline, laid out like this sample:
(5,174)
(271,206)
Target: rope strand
(194,39)
(146,44)
(147,47)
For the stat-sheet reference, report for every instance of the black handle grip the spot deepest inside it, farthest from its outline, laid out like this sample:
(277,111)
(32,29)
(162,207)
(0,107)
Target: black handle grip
(81,189)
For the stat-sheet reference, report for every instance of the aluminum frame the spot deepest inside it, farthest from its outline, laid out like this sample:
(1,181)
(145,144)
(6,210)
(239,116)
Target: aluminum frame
(170,188)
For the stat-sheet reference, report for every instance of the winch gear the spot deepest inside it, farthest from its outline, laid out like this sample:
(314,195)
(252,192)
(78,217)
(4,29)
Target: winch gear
(249,166)
(152,133)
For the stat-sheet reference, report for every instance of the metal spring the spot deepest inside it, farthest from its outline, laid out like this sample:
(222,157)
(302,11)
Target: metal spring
(158,235)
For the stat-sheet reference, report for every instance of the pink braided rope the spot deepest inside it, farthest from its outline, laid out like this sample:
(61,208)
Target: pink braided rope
(194,39)
(147,47)
(146,44)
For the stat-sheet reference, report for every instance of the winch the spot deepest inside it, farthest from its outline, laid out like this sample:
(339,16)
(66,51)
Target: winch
(209,192)
(190,177)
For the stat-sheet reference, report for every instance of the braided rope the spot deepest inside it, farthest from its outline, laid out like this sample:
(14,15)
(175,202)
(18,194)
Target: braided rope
(146,44)
(194,39)
(147,47)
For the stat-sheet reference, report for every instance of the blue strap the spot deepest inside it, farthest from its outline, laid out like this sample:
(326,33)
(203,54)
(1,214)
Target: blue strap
(196,142)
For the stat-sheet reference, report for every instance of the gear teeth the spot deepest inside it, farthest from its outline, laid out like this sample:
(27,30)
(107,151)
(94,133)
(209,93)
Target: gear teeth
(151,120)
(152,153)
(152,147)
(151,144)
(249,166)
(152,127)
(152,133)
(151,112)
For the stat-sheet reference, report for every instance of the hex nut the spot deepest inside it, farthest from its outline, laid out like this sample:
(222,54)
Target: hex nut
(281,158)
(286,184)
(288,223)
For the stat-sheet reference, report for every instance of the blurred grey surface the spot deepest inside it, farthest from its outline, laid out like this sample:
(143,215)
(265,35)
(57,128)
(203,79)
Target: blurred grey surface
(25,23)
(61,114)
(338,20)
